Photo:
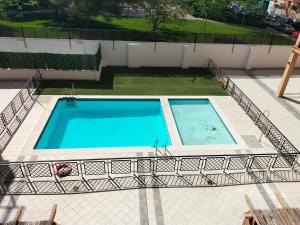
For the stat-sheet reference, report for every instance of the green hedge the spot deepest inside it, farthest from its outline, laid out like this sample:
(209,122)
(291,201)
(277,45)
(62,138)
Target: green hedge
(50,61)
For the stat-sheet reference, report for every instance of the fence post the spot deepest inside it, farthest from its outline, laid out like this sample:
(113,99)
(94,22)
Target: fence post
(46,32)
(69,36)
(45,60)
(195,40)
(155,40)
(240,98)
(248,108)
(272,162)
(271,43)
(12,104)
(2,117)
(226,85)
(23,35)
(282,141)
(233,44)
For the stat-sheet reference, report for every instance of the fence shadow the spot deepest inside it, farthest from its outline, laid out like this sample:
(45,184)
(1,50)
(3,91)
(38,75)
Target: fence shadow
(7,177)
(290,99)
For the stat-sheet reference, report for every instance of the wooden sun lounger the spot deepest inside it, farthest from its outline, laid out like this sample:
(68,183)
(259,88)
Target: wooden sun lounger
(283,216)
(20,210)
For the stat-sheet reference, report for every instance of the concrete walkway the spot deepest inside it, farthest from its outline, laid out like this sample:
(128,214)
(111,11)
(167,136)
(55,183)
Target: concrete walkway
(261,86)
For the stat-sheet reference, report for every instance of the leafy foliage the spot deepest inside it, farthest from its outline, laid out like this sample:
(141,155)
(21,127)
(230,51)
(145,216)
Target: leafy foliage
(18,4)
(210,9)
(253,6)
(161,11)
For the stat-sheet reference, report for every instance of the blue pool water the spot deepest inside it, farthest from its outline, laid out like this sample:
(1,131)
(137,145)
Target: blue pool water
(94,123)
(198,123)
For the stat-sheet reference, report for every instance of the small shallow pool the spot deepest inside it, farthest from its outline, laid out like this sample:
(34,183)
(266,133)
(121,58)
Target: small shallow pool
(98,123)
(198,123)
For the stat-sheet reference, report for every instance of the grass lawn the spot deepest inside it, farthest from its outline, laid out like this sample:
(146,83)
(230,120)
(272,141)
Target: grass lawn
(186,26)
(145,81)
(140,24)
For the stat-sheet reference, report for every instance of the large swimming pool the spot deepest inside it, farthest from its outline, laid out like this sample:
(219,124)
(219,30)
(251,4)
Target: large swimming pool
(95,123)
(198,123)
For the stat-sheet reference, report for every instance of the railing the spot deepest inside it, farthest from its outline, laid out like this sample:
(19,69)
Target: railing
(133,35)
(111,174)
(280,142)
(97,175)
(16,111)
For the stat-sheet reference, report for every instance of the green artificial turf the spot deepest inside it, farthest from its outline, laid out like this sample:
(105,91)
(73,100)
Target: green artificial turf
(145,81)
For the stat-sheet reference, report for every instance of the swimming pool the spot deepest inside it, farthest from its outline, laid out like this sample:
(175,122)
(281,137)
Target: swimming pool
(98,123)
(198,123)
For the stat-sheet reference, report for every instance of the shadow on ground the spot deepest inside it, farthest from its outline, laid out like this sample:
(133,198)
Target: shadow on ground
(7,176)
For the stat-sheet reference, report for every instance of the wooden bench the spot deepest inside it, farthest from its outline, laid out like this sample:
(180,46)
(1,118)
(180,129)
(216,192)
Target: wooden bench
(20,211)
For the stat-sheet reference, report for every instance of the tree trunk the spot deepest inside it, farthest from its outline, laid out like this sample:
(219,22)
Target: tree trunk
(243,19)
(205,24)
(154,25)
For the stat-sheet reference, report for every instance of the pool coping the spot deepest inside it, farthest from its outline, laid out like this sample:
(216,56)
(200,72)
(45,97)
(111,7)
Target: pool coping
(176,148)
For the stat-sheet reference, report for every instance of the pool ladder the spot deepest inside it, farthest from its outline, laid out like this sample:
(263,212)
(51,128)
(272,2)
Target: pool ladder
(165,153)
(71,96)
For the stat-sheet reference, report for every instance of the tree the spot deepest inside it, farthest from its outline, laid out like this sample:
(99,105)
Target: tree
(83,9)
(60,7)
(209,9)
(161,11)
(251,6)
(18,4)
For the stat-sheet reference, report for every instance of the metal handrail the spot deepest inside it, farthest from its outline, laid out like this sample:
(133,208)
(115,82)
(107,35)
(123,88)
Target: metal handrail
(19,103)
(268,115)
(39,177)
(233,89)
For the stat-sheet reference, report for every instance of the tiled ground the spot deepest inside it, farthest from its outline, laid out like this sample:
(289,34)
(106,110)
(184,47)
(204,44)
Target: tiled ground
(21,146)
(205,206)
(261,86)
(188,206)
(8,90)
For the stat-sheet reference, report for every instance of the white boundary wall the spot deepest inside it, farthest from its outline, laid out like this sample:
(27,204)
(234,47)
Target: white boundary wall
(148,54)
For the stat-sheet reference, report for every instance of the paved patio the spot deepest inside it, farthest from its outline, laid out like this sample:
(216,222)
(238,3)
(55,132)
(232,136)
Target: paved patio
(261,87)
(205,206)
(21,146)
(8,90)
